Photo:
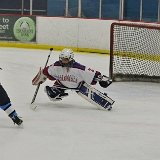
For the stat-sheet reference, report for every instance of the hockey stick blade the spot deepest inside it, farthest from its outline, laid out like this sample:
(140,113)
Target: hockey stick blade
(33,106)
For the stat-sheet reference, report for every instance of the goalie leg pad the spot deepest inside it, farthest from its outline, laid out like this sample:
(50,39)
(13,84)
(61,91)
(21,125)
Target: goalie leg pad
(54,93)
(97,98)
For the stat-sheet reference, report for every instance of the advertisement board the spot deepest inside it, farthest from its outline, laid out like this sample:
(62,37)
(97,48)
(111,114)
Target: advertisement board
(18,28)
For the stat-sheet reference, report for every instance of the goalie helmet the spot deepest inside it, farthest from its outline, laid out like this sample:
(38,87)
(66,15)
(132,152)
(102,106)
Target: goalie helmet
(66,54)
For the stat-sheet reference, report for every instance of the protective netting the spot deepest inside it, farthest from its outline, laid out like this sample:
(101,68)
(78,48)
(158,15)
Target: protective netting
(135,52)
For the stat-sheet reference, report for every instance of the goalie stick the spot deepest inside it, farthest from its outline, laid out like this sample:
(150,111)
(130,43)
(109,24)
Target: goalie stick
(33,106)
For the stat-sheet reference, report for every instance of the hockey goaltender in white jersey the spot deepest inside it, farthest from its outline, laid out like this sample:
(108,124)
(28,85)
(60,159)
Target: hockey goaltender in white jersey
(69,74)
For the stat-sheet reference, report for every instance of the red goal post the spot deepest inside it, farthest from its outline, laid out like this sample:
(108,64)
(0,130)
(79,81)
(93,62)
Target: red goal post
(135,52)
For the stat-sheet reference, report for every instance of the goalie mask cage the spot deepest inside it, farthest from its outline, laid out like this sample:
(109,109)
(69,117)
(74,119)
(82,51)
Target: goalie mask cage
(135,52)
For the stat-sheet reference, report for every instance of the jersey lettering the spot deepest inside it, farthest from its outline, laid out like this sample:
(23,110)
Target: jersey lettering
(68,78)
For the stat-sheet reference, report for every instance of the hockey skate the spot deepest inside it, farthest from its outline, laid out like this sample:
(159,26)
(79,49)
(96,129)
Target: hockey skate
(55,94)
(16,119)
(109,108)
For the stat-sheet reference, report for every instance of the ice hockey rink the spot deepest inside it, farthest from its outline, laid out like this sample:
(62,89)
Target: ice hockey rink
(74,129)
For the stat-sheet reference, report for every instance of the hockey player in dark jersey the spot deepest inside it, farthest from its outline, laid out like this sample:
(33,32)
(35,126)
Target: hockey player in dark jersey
(5,104)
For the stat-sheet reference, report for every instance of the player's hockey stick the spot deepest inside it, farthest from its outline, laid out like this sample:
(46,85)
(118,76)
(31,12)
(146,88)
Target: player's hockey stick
(33,106)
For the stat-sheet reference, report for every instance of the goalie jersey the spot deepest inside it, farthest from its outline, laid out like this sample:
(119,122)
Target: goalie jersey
(71,77)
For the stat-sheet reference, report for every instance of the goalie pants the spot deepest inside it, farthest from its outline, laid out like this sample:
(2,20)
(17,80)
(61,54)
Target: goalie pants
(5,103)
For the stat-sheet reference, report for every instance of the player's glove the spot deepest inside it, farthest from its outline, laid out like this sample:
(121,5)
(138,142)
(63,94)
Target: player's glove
(39,78)
(104,81)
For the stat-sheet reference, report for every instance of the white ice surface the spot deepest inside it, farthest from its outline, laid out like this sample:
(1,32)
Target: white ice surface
(74,129)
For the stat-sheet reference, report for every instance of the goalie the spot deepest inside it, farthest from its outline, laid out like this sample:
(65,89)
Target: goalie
(68,74)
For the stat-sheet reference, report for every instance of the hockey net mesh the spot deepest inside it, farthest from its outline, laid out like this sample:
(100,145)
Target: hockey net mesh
(135,52)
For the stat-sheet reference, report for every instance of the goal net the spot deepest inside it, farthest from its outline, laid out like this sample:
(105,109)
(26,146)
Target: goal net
(135,52)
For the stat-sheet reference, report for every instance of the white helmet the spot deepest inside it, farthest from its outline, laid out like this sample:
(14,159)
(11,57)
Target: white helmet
(68,54)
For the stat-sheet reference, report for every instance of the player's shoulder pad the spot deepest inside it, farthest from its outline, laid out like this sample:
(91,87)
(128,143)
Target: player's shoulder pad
(78,66)
(57,63)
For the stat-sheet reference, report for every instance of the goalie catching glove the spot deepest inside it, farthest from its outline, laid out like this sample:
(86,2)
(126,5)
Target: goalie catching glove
(104,81)
(39,78)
